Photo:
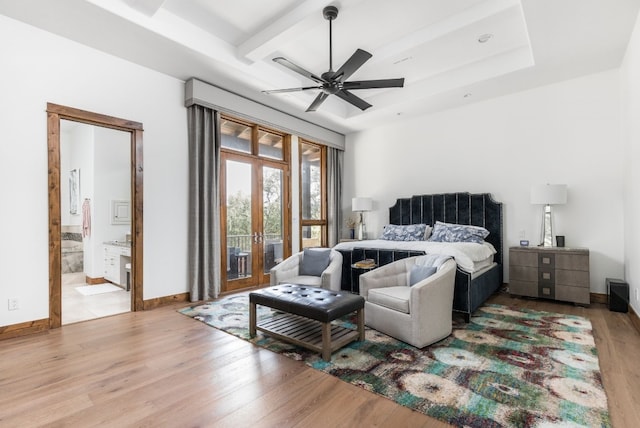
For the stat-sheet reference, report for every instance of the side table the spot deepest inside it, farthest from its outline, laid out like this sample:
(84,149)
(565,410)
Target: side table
(356,271)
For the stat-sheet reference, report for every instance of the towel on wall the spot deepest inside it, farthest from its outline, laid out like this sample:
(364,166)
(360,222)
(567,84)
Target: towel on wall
(86,218)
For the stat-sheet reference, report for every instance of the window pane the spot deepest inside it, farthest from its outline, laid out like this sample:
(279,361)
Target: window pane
(235,136)
(310,173)
(270,145)
(311,236)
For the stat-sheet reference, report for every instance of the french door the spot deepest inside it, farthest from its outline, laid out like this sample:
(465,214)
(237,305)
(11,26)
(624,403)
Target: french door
(254,219)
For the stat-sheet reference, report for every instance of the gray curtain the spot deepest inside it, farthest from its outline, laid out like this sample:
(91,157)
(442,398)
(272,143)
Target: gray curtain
(335,160)
(204,203)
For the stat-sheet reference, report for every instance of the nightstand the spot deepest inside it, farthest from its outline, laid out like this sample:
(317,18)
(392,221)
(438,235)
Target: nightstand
(556,273)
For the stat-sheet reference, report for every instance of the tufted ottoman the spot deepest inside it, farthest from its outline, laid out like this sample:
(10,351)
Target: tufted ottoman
(308,312)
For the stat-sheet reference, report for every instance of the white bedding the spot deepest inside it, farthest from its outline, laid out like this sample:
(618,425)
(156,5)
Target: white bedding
(469,256)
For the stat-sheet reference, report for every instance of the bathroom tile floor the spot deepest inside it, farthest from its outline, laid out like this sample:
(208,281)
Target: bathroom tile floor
(77,307)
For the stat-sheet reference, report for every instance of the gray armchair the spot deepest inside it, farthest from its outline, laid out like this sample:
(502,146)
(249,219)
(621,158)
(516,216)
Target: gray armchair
(290,272)
(420,314)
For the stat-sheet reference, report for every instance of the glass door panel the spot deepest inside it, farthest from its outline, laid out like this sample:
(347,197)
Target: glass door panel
(239,226)
(272,216)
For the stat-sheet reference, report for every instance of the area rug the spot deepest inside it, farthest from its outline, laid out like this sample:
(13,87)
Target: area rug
(509,367)
(90,290)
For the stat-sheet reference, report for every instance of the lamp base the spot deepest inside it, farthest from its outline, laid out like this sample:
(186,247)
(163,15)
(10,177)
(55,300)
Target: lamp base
(362,232)
(547,229)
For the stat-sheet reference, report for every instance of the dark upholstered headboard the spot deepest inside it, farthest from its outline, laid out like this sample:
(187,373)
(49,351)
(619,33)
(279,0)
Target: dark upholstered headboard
(461,208)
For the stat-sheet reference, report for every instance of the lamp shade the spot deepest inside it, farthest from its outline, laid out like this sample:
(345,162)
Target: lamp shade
(361,204)
(552,194)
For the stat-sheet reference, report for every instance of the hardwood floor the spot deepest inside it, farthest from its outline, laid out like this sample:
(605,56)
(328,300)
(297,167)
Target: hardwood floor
(162,369)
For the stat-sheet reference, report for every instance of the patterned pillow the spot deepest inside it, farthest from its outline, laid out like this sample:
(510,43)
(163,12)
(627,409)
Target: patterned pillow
(447,232)
(411,232)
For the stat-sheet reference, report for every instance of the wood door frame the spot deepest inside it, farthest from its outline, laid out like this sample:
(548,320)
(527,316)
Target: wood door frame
(255,162)
(55,113)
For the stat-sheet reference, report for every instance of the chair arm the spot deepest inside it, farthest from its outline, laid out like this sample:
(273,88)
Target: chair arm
(391,275)
(286,269)
(331,278)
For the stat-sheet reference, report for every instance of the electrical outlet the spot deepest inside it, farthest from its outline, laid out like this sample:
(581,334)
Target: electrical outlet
(523,234)
(14,304)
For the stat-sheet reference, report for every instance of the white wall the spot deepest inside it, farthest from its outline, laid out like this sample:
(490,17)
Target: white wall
(566,133)
(38,67)
(112,181)
(630,88)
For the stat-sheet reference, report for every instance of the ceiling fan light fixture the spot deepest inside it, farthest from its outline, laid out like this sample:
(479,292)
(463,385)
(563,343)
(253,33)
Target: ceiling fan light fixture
(335,82)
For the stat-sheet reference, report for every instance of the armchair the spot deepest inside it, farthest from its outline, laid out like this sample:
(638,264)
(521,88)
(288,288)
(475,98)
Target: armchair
(291,271)
(420,314)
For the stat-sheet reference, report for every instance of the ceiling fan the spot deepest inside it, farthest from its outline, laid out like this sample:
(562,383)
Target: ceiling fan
(335,82)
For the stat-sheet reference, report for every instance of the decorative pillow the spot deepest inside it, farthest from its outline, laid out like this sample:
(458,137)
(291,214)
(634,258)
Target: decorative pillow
(447,232)
(314,261)
(420,272)
(411,232)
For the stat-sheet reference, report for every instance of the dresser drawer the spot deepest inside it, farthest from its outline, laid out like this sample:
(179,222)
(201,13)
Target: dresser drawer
(572,262)
(523,258)
(575,278)
(523,273)
(573,294)
(546,260)
(523,288)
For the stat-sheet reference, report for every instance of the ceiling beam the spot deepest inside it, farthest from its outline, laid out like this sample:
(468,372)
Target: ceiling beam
(283,30)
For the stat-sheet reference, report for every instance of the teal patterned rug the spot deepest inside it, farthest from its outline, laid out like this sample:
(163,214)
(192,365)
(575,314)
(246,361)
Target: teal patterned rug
(508,367)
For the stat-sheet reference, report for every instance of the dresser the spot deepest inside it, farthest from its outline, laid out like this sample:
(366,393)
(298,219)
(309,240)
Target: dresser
(550,272)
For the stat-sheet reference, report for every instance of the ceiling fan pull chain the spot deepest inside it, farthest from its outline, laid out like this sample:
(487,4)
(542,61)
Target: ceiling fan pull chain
(330,47)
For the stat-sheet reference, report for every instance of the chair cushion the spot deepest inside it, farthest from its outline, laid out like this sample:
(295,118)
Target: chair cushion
(313,281)
(314,261)
(420,272)
(396,298)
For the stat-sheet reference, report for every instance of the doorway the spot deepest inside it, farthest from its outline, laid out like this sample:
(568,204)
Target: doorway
(133,130)
(95,190)
(254,219)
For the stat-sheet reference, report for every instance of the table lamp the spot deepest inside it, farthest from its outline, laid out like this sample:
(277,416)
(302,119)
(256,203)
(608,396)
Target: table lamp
(361,205)
(547,195)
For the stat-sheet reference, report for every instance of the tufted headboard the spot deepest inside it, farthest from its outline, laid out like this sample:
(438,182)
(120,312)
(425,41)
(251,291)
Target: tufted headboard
(461,208)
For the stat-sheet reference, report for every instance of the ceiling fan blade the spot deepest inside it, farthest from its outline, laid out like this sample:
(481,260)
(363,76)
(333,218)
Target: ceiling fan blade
(279,91)
(319,100)
(291,66)
(355,62)
(373,84)
(352,99)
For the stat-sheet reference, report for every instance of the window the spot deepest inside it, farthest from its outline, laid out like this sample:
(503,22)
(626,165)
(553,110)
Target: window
(250,138)
(254,216)
(313,195)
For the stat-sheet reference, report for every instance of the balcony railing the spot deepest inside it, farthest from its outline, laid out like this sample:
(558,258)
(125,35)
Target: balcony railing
(244,242)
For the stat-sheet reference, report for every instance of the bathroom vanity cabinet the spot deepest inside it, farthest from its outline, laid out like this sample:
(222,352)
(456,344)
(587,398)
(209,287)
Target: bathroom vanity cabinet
(116,256)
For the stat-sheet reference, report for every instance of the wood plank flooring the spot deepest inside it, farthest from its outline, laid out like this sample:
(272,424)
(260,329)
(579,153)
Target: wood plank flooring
(162,369)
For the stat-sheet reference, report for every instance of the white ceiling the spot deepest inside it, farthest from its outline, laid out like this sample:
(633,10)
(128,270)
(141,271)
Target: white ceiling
(433,44)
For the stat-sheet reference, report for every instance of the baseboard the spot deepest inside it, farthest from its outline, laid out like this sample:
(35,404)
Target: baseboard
(599,298)
(38,326)
(635,320)
(166,300)
(94,281)
(23,328)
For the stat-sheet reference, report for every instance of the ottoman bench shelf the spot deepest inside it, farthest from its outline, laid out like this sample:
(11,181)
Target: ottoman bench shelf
(307,315)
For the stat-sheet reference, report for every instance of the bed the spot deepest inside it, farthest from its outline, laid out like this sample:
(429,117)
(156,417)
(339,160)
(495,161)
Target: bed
(477,276)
